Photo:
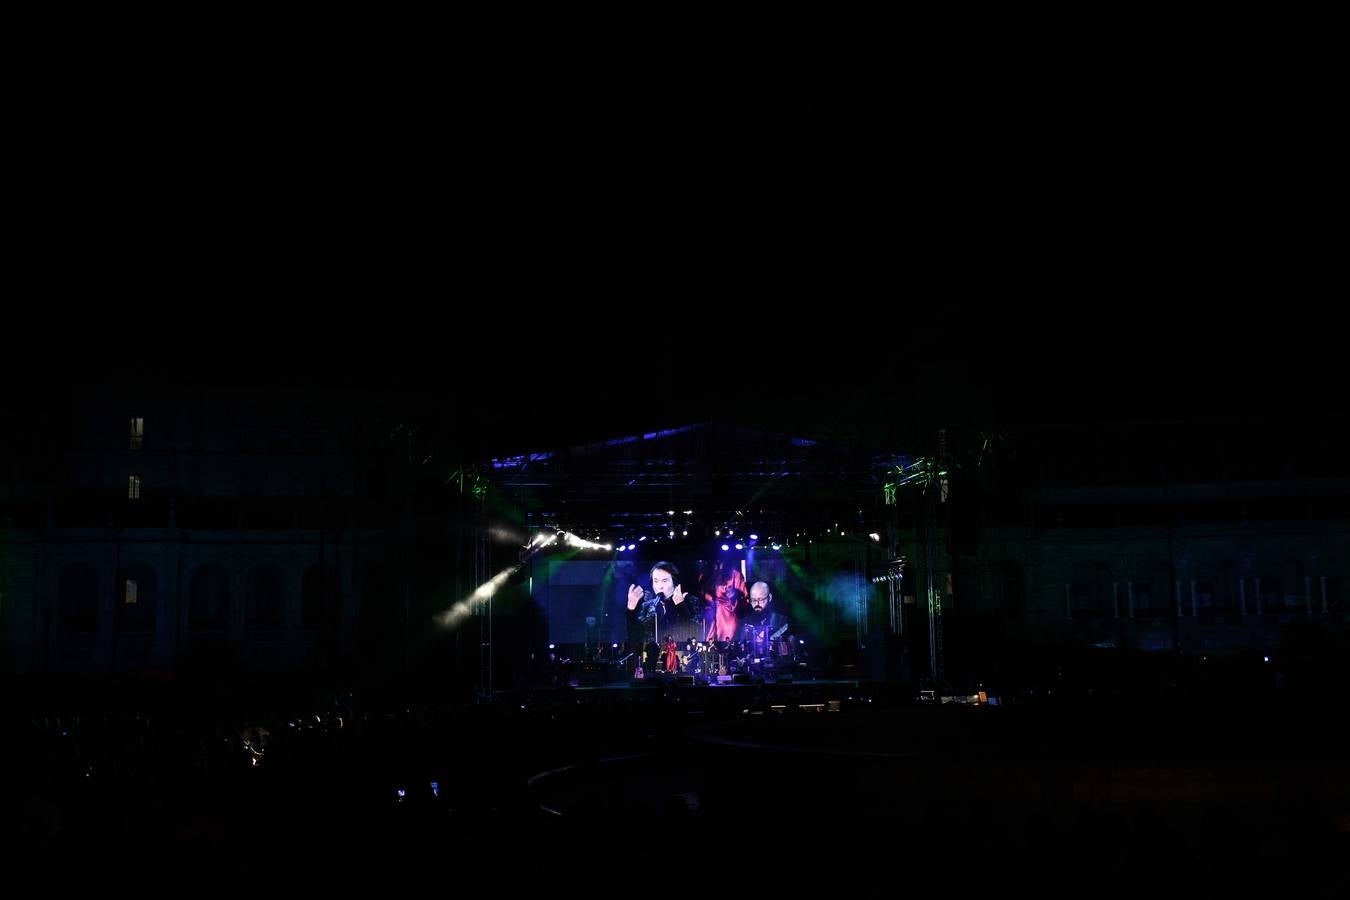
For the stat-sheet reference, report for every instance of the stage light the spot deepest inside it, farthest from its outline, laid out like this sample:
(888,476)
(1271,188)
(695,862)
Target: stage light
(551,646)
(462,608)
(581,543)
(1266,658)
(725,547)
(754,537)
(775,546)
(685,532)
(672,532)
(874,536)
(670,512)
(614,646)
(632,546)
(718,532)
(740,546)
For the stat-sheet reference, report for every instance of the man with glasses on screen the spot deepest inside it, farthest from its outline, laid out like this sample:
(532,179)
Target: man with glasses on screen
(765,632)
(761,609)
(762,624)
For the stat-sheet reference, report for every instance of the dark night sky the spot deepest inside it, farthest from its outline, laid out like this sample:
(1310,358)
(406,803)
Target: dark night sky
(572,372)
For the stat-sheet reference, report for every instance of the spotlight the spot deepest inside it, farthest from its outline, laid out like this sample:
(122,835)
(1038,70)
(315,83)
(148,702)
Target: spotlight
(632,546)
(685,532)
(670,512)
(740,546)
(725,547)
(672,532)
(754,537)
(775,546)
(874,536)
(614,646)
(643,538)
(551,646)
(718,532)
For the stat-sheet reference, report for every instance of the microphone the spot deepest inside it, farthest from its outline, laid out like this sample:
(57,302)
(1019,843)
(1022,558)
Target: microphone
(649,604)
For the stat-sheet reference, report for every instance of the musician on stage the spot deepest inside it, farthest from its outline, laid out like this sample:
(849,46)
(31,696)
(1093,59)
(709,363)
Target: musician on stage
(672,655)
